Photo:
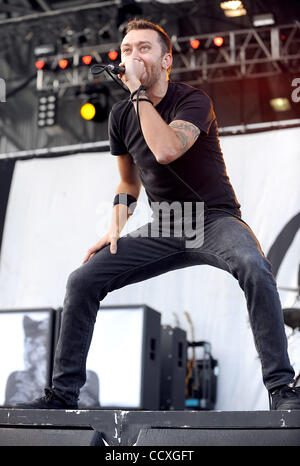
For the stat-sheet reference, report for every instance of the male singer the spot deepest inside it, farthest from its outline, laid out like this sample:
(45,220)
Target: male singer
(173,150)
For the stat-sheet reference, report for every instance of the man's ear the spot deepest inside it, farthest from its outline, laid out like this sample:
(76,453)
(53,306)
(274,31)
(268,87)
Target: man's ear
(167,61)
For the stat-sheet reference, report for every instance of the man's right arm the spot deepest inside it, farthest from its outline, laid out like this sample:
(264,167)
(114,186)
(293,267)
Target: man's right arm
(130,184)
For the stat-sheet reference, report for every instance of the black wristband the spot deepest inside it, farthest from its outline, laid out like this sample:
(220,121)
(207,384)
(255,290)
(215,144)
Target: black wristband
(141,88)
(142,98)
(126,199)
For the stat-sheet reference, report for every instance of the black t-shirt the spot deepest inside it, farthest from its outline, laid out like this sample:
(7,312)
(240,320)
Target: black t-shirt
(202,167)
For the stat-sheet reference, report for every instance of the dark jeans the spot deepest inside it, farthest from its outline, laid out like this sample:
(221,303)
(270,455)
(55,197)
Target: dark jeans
(229,244)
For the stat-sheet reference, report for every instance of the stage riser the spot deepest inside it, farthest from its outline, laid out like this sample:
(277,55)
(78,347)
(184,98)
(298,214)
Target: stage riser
(218,437)
(49,437)
(149,428)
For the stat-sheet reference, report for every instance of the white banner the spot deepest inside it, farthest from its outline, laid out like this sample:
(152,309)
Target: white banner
(60,207)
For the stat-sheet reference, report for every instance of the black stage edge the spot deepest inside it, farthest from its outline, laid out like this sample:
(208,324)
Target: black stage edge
(19,427)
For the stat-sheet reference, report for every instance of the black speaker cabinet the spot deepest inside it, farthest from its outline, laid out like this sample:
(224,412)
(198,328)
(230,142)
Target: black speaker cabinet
(123,364)
(173,368)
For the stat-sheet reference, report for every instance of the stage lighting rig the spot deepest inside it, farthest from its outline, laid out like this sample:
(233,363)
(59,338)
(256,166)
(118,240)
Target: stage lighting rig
(46,110)
(234,55)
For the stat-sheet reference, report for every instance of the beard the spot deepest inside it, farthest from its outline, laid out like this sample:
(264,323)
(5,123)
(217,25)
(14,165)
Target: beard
(152,75)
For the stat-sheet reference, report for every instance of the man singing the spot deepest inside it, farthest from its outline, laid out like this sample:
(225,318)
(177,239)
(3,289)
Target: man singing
(171,147)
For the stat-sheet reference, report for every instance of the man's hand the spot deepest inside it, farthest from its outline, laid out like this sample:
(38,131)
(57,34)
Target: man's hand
(109,238)
(135,71)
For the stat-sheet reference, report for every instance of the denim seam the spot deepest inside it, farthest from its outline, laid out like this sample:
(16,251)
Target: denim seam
(156,260)
(177,252)
(215,255)
(143,265)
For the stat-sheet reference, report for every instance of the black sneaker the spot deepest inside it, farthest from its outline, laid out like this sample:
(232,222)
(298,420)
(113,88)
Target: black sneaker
(285,398)
(49,401)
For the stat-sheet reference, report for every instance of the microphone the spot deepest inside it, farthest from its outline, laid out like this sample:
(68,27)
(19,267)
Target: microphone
(115,69)
(99,68)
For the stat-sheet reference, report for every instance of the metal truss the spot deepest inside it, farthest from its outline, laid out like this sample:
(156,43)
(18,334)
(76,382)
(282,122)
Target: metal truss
(247,53)
(250,53)
(29,16)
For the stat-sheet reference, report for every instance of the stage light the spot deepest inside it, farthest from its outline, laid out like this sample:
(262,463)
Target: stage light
(235,13)
(231,5)
(88,111)
(96,105)
(280,104)
(113,55)
(46,110)
(219,41)
(63,63)
(233,9)
(44,50)
(87,59)
(195,43)
(39,64)
(263,20)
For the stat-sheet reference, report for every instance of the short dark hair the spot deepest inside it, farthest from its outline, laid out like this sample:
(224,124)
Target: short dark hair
(164,39)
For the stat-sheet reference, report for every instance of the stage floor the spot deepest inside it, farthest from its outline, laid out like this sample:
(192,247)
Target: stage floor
(129,428)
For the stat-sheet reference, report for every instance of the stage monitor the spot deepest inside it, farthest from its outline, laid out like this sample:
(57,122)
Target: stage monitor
(123,363)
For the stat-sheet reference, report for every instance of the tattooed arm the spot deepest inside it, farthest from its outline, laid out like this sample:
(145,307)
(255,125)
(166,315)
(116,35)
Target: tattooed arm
(186,132)
(166,142)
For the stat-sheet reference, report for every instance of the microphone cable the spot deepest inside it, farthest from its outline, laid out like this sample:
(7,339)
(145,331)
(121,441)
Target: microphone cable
(97,69)
(100,68)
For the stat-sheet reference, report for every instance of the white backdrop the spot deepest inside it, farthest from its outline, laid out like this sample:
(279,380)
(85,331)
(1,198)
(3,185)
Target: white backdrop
(59,207)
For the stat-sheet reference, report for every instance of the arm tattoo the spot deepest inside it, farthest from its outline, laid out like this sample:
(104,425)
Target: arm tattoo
(181,129)
(183,139)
